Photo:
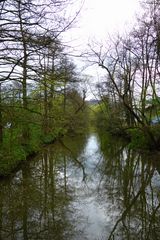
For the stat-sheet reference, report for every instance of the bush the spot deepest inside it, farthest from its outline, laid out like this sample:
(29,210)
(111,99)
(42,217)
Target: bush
(138,139)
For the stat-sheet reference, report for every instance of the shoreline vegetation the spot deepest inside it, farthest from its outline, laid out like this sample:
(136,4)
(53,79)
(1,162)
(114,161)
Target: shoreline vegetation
(9,164)
(140,138)
(90,118)
(13,159)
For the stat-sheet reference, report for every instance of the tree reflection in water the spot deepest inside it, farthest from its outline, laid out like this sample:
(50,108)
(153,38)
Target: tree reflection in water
(133,190)
(92,188)
(34,204)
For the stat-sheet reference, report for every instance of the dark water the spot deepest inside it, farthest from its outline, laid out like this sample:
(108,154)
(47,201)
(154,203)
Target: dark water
(83,188)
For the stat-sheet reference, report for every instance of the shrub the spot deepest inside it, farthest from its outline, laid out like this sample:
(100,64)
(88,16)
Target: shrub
(138,139)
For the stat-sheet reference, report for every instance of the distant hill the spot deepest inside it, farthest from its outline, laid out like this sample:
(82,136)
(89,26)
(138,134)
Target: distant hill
(92,101)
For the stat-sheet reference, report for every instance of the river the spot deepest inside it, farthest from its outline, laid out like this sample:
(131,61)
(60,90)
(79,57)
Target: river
(83,188)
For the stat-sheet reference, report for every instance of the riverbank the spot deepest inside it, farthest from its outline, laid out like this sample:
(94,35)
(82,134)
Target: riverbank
(12,159)
(13,156)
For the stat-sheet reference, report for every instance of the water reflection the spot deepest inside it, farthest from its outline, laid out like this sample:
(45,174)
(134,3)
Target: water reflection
(90,187)
(134,180)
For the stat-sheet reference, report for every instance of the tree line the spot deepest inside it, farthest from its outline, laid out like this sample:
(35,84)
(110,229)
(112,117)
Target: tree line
(39,83)
(129,90)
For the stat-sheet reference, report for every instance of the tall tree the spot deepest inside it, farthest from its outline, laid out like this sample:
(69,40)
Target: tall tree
(27,31)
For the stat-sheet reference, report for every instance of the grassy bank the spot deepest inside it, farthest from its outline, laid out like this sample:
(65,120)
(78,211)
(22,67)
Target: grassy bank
(13,152)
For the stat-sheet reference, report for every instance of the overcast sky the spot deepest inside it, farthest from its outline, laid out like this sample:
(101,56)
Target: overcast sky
(99,18)
(102,16)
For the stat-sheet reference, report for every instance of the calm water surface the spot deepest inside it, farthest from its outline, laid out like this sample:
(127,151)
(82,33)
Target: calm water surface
(86,187)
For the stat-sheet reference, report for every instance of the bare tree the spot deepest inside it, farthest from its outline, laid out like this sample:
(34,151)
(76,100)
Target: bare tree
(132,66)
(29,28)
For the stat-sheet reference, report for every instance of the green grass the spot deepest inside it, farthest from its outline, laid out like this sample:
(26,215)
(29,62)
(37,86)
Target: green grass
(13,152)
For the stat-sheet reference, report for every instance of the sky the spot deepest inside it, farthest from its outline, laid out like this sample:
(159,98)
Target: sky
(99,19)
(107,16)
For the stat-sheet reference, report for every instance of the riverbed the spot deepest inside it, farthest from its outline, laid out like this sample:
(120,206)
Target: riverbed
(83,188)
